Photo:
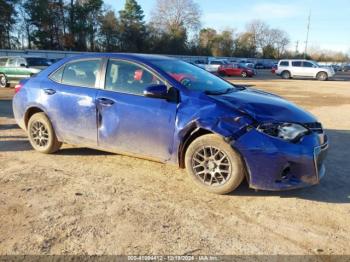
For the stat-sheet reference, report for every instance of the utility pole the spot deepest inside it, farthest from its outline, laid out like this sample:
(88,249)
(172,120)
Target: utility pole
(307,34)
(297,47)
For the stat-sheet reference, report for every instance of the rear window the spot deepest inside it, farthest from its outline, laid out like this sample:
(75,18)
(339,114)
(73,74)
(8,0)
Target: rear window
(3,61)
(296,63)
(284,63)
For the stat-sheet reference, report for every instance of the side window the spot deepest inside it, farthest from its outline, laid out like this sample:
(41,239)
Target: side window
(57,76)
(126,77)
(216,63)
(308,64)
(284,63)
(296,63)
(12,62)
(81,73)
(3,61)
(21,61)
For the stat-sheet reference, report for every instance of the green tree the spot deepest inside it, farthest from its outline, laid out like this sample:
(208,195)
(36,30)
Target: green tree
(132,27)
(7,21)
(245,45)
(109,31)
(45,23)
(84,21)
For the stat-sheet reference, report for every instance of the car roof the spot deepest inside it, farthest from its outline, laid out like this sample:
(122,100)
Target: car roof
(143,58)
(22,56)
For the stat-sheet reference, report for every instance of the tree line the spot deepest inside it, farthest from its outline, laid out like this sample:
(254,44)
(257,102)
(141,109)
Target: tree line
(174,28)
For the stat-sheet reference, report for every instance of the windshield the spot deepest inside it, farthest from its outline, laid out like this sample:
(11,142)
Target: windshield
(193,77)
(37,61)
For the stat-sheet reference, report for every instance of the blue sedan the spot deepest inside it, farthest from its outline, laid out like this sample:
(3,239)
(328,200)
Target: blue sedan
(167,110)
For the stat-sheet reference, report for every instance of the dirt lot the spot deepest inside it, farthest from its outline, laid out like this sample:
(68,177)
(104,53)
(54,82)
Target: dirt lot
(82,201)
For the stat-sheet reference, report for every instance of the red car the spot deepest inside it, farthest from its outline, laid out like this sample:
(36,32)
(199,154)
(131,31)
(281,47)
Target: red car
(235,70)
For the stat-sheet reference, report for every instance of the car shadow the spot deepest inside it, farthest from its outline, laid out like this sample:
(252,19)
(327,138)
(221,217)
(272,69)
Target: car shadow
(6,108)
(14,145)
(333,188)
(82,151)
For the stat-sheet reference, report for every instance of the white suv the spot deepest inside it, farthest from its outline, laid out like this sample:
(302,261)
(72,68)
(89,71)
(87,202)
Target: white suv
(303,69)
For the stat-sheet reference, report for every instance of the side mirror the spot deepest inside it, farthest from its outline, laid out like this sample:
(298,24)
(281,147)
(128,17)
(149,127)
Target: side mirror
(22,65)
(156,91)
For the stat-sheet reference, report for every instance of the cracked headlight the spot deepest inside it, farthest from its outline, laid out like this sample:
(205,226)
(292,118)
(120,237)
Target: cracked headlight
(286,131)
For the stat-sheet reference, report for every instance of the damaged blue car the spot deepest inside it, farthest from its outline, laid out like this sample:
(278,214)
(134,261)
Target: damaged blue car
(167,110)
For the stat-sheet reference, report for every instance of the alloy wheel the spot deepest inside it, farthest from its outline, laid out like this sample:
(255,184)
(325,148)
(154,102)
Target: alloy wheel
(39,134)
(211,166)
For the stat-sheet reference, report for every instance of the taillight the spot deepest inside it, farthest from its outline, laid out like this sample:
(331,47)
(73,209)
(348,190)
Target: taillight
(18,87)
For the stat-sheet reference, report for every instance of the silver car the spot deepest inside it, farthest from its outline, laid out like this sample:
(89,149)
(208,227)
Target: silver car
(303,69)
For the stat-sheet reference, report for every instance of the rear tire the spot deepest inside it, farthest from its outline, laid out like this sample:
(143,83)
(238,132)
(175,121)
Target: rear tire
(214,165)
(285,75)
(322,76)
(222,74)
(3,81)
(41,134)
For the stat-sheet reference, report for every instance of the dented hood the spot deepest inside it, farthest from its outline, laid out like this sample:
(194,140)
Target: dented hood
(264,107)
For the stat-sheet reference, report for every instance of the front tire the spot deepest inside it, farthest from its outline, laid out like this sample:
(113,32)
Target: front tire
(41,134)
(3,81)
(244,74)
(322,76)
(213,165)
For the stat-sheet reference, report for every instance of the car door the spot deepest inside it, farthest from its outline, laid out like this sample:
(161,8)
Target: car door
(22,70)
(309,69)
(69,97)
(130,122)
(297,69)
(10,70)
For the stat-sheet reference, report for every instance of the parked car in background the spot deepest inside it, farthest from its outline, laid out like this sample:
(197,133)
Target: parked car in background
(303,69)
(251,66)
(336,68)
(259,66)
(345,68)
(54,60)
(213,64)
(165,109)
(274,68)
(233,69)
(15,68)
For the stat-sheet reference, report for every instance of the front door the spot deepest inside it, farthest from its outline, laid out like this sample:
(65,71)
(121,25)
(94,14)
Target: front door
(309,69)
(129,122)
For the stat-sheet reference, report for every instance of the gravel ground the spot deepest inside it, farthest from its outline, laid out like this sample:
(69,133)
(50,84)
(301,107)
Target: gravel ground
(82,201)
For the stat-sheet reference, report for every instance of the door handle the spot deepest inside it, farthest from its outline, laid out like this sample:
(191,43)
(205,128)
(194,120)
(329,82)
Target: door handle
(105,101)
(49,91)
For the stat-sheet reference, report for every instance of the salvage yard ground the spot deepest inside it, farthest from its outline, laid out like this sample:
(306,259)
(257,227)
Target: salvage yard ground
(82,201)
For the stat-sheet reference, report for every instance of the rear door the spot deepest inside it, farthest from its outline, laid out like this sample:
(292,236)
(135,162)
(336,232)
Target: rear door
(69,97)
(130,122)
(10,70)
(22,70)
(297,69)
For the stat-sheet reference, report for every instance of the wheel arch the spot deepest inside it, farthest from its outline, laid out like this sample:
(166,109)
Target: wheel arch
(30,112)
(286,70)
(193,133)
(322,71)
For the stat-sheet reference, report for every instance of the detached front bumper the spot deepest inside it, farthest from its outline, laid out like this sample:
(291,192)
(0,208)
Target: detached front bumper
(274,164)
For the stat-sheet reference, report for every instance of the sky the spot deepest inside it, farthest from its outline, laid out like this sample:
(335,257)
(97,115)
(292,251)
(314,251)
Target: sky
(329,27)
